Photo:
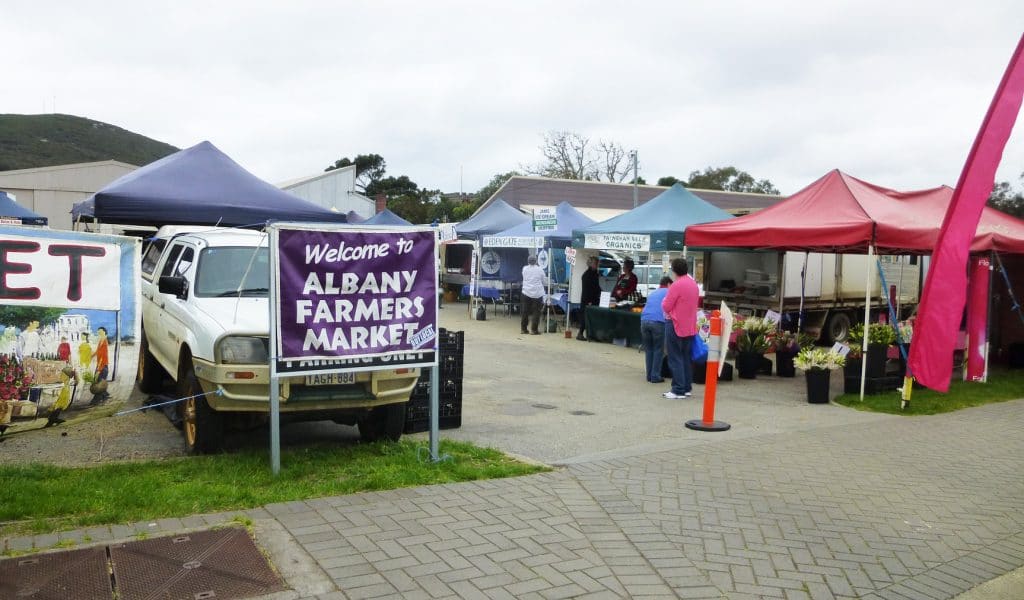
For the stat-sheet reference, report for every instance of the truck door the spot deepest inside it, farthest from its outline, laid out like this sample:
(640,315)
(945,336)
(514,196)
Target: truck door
(154,311)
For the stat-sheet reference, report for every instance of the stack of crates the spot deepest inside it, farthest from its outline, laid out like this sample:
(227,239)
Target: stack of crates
(451,346)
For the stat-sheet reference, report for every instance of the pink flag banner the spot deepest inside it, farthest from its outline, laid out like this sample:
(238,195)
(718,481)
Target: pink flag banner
(945,291)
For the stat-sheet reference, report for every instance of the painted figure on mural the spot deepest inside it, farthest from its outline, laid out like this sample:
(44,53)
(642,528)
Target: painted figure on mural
(85,352)
(29,340)
(99,385)
(64,349)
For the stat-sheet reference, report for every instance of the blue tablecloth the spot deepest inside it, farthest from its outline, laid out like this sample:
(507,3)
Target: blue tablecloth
(483,292)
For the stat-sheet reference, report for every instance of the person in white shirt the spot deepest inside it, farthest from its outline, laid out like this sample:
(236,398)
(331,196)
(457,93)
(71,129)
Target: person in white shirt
(534,281)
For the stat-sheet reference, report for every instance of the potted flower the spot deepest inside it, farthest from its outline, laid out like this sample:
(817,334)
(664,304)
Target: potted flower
(818,364)
(15,381)
(880,337)
(752,341)
(786,347)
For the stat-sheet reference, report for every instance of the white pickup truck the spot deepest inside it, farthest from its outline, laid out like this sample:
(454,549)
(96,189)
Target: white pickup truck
(205,324)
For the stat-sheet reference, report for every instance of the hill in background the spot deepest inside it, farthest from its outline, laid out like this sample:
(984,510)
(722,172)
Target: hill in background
(29,141)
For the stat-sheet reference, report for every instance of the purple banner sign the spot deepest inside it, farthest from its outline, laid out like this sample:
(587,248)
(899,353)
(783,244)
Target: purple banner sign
(368,298)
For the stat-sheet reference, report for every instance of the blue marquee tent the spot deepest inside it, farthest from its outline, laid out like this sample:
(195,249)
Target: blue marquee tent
(9,209)
(200,186)
(498,216)
(523,235)
(662,219)
(385,217)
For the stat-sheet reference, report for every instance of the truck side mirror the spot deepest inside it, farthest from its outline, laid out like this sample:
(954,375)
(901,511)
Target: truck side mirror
(173,285)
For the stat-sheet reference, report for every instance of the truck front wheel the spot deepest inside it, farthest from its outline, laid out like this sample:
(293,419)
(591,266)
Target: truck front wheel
(383,422)
(203,426)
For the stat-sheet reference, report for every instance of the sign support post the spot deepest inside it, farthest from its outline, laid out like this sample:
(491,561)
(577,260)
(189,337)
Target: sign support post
(275,380)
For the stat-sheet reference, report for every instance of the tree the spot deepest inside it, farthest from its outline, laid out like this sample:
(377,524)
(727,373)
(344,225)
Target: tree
(393,187)
(569,155)
(492,186)
(370,169)
(1006,199)
(21,316)
(668,181)
(729,179)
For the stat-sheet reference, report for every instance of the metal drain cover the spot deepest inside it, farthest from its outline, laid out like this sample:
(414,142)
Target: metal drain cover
(219,564)
(57,575)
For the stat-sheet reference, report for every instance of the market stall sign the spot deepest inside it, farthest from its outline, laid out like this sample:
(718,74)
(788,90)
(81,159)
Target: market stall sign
(35,271)
(545,219)
(511,241)
(618,241)
(353,299)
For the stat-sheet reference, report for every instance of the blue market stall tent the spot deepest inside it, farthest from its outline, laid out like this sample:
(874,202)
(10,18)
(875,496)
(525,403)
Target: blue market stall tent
(498,216)
(655,226)
(523,236)
(14,213)
(200,186)
(385,217)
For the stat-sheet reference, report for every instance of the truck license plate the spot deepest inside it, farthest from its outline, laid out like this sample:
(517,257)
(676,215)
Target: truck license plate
(330,379)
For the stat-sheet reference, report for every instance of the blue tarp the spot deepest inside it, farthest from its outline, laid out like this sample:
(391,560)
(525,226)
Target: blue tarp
(386,217)
(663,217)
(354,217)
(498,216)
(568,219)
(200,186)
(11,209)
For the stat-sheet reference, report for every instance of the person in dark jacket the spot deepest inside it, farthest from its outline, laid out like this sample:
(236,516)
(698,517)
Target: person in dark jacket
(590,294)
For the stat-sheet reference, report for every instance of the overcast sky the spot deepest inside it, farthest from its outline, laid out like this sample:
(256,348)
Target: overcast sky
(451,93)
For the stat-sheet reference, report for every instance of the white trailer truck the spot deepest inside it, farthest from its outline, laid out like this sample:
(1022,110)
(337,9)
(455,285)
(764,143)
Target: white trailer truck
(832,286)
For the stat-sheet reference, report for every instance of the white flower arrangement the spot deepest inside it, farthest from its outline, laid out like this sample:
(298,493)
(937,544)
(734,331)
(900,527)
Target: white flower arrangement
(818,358)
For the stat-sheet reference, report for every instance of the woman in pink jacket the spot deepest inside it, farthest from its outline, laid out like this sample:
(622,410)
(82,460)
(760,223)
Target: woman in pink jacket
(680,306)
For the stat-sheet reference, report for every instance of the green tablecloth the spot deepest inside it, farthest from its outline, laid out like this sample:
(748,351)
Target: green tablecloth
(606,324)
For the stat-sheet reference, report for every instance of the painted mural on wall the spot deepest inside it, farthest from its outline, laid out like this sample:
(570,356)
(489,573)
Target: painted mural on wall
(68,326)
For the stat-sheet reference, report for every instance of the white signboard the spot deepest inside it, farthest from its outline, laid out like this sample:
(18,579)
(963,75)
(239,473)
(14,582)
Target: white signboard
(772,317)
(840,349)
(570,256)
(511,241)
(446,232)
(472,275)
(726,315)
(618,241)
(606,299)
(545,219)
(36,271)
(542,259)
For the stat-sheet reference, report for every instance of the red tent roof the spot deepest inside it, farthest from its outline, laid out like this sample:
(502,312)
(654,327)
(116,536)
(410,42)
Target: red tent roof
(840,213)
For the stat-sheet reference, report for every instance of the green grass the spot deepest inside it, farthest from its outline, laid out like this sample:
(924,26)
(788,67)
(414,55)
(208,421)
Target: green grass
(42,498)
(1002,385)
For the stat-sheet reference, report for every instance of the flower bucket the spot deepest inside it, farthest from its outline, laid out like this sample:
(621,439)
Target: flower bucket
(747,364)
(818,383)
(784,364)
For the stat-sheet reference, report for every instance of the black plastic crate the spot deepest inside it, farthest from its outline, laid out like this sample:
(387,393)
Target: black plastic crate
(421,425)
(872,385)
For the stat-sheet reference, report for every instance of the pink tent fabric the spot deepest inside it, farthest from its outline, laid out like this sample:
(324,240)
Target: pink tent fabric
(945,290)
(840,213)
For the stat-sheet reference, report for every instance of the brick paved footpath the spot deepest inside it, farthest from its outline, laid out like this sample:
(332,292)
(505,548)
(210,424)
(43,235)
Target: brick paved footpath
(898,508)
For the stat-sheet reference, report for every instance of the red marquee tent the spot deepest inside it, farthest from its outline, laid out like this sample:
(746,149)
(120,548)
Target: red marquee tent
(843,214)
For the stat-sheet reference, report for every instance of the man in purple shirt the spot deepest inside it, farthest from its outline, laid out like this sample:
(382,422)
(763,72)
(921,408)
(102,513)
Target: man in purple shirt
(680,306)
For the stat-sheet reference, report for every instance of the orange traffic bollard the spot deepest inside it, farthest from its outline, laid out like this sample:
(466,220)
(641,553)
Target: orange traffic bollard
(708,422)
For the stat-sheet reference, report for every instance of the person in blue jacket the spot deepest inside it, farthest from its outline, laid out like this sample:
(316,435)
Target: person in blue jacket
(652,331)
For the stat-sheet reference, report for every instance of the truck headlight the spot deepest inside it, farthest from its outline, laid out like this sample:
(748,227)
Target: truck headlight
(243,350)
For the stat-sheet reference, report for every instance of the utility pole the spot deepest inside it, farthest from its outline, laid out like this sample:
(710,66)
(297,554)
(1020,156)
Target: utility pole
(636,180)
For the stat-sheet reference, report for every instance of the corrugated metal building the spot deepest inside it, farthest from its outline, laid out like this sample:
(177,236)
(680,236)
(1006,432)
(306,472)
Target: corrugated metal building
(333,190)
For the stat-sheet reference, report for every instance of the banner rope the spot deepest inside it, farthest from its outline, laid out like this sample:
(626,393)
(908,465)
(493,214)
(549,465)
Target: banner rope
(217,392)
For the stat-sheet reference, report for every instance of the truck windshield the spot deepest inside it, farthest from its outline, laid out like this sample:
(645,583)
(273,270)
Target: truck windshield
(221,270)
